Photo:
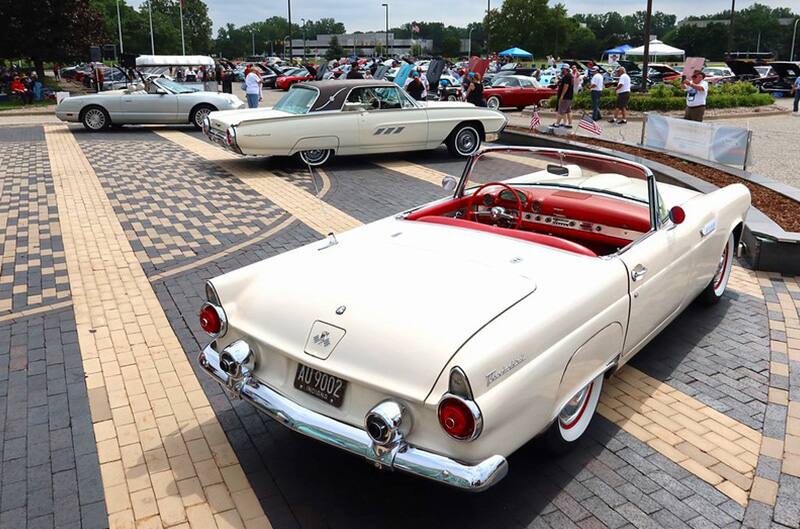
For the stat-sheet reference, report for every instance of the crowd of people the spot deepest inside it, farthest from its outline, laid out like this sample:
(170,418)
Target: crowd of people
(22,85)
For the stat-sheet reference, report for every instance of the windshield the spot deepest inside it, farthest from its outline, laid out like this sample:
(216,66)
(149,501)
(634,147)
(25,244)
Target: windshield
(297,101)
(174,87)
(556,169)
(504,81)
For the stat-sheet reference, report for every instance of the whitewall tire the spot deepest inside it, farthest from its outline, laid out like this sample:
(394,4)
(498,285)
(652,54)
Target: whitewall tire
(493,103)
(315,157)
(574,418)
(716,288)
(464,141)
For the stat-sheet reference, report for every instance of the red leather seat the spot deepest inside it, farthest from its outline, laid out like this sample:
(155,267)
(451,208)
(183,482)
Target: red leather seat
(539,238)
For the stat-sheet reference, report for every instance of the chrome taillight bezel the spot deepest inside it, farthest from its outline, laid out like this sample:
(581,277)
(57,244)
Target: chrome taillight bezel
(474,410)
(223,319)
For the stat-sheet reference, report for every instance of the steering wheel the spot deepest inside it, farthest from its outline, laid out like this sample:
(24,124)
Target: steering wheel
(472,214)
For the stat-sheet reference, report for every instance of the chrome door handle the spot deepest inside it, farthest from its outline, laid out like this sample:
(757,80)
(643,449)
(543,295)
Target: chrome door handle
(638,272)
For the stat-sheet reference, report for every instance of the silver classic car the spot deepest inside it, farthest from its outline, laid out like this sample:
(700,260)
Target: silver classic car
(155,101)
(319,119)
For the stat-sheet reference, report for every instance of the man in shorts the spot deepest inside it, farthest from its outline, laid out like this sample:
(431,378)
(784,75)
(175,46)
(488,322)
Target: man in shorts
(623,96)
(565,91)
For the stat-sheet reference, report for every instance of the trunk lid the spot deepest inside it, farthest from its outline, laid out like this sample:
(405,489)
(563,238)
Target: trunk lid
(225,118)
(411,294)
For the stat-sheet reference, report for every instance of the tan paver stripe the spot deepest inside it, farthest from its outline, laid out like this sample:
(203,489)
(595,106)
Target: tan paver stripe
(707,443)
(36,310)
(432,176)
(309,209)
(723,453)
(164,458)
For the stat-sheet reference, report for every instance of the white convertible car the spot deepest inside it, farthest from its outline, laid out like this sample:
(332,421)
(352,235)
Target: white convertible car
(440,340)
(318,119)
(157,100)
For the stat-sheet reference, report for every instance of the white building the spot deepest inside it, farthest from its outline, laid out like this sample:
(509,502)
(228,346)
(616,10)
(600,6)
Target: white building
(359,43)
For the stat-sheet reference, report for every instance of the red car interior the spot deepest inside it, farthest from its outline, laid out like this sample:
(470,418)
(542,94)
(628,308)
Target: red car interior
(583,223)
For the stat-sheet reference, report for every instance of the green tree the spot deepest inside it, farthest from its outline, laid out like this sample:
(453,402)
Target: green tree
(50,31)
(451,47)
(335,51)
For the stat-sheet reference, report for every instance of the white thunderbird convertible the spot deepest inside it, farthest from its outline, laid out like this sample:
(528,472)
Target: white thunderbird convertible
(440,340)
(318,119)
(157,100)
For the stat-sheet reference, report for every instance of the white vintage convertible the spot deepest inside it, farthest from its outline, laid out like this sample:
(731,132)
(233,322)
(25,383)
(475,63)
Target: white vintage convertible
(441,340)
(157,100)
(318,119)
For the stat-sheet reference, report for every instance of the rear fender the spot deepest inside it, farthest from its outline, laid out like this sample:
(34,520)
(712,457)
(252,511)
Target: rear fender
(599,354)
(319,142)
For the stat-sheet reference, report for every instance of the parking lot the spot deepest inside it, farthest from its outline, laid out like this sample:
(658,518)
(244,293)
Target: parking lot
(107,241)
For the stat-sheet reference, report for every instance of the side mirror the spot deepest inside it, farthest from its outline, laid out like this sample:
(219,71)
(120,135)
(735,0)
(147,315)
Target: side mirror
(449,183)
(677,215)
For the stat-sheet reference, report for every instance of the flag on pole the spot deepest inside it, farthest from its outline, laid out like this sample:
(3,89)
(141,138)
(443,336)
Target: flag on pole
(590,125)
(535,119)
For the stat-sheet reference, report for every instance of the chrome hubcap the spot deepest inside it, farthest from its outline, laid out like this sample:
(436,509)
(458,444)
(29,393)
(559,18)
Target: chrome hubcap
(95,119)
(314,156)
(466,141)
(574,407)
(493,103)
(200,115)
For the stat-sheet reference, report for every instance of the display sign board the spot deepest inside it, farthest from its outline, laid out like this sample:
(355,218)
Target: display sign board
(693,64)
(717,143)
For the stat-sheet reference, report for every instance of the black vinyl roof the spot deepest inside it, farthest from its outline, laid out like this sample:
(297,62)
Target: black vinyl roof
(333,93)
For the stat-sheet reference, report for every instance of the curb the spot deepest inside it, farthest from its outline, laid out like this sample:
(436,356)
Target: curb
(13,112)
(768,246)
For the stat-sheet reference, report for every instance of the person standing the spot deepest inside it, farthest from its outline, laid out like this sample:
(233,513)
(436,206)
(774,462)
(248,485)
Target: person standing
(696,93)
(796,92)
(415,88)
(474,93)
(597,91)
(623,96)
(565,92)
(252,88)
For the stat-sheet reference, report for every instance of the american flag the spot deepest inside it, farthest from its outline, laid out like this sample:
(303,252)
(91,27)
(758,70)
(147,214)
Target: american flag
(414,27)
(535,119)
(590,125)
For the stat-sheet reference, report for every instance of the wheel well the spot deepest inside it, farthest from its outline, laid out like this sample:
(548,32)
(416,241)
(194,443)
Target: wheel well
(200,105)
(477,124)
(737,234)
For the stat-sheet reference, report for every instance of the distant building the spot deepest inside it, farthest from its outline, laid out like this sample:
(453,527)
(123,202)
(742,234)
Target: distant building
(362,43)
(724,22)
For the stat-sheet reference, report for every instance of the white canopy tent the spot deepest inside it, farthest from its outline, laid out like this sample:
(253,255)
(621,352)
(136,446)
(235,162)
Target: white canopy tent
(174,60)
(657,49)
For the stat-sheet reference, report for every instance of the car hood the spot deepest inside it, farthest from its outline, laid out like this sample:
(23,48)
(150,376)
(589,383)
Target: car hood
(785,69)
(742,68)
(223,119)
(411,294)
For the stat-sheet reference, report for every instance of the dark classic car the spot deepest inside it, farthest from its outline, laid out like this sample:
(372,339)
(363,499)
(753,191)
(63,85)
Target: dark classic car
(515,91)
(785,75)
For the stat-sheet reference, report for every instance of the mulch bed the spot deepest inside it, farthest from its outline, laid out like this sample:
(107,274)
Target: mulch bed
(781,209)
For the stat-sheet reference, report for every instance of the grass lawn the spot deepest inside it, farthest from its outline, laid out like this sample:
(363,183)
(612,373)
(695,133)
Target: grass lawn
(16,103)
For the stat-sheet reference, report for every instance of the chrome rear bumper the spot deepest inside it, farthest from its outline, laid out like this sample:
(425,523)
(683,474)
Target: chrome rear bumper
(355,440)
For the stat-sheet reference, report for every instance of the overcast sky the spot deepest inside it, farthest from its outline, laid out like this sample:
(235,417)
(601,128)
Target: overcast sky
(368,15)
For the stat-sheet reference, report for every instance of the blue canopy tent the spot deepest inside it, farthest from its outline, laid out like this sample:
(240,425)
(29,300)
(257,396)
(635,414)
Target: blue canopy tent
(516,52)
(619,50)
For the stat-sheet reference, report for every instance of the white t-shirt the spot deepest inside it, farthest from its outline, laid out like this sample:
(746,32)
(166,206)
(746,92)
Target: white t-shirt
(597,82)
(696,98)
(624,83)
(251,82)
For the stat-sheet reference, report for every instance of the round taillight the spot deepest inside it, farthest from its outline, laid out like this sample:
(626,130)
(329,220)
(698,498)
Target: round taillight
(458,420)
(210,319)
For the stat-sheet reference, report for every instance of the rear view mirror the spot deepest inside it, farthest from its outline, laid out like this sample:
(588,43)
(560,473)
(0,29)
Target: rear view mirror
(677,215)
(560,170)
(449,183)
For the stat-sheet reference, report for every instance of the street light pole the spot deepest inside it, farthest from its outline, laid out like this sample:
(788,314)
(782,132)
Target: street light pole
(794,34)
(303,20)
(488,8)
(152,42)
(646,61)
(469,45)
(730,33)
(119,25)
(387,27)
(290,30)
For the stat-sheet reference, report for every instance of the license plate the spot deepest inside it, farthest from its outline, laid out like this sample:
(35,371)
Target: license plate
(321,385)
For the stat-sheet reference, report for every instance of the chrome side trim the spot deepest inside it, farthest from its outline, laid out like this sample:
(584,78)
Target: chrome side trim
(403,457)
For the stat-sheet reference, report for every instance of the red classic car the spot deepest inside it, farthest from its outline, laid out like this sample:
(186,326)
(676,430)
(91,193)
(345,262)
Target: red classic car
(667,73)
(515,91)
(290,77)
